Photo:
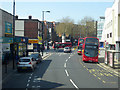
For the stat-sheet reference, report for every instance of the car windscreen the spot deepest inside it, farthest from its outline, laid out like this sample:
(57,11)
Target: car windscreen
(24,60)
(91,51)
(34,55)
(80,47)
(67,48)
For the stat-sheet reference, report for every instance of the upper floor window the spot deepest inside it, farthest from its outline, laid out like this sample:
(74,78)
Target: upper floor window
(110,34)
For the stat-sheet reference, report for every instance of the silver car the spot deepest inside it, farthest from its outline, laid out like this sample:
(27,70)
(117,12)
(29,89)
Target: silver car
(26,63)
(67,49)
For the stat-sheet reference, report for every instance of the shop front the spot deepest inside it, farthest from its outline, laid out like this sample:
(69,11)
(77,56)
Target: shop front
(6,48)
(21,46)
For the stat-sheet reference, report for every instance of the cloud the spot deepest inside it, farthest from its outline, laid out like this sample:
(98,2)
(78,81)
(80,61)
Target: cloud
(57,0)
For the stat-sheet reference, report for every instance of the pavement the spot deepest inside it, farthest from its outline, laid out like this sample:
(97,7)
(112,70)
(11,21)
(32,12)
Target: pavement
(115,70)
(7,70)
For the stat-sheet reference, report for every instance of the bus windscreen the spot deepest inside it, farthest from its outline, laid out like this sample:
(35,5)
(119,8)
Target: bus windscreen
(91,51)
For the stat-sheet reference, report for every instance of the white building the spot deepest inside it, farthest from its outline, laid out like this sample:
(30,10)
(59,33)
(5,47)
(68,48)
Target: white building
(100,25)
(111,30)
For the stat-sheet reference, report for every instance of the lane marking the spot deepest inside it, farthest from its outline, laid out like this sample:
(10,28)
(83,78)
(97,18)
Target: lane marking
(27,85)
(28,80)
(66,60)
(65,65)
(99,78)
(69,57)
(73,84)
(103,81)
(33,86)
(29,77)
(66,72)
(38,86)
(116,74)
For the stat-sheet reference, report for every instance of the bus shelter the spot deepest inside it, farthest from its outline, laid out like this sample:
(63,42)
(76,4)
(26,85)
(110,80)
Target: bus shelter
(112,58)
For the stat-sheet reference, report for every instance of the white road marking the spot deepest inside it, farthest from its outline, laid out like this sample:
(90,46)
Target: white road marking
(73,84)
(33,86)
(28,80)
(65,65)
(66,60)
(66,72)
(29,77)
(38,86)
(27,85)
(69,57)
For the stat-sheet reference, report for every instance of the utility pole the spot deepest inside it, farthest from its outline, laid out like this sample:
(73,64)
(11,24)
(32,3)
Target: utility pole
(13,34)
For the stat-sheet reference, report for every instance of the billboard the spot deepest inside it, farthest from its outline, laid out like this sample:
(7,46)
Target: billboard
(8,28)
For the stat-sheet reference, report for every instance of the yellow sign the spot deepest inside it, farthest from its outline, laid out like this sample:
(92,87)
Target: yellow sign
(39,38)
(32,41)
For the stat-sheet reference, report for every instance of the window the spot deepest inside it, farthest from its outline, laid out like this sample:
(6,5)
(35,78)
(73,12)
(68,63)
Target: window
(110,34)
(107,35)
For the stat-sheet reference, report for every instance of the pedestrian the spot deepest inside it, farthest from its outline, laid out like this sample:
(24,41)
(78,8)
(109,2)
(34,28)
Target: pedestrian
(17,58)
(47,46)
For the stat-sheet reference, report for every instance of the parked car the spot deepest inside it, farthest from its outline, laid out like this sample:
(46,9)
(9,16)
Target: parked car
(26,63)
(67,49)
(37,57)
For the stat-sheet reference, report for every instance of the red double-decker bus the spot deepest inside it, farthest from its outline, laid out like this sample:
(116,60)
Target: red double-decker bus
(90,50)
(80,41)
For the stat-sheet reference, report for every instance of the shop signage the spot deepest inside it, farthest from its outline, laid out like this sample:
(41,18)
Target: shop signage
(8,28)
(32,41)
(7,40)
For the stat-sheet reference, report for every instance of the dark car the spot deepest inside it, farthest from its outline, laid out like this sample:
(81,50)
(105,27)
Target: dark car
(37,57)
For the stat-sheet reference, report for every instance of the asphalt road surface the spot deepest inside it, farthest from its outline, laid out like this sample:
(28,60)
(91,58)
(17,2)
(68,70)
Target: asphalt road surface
(63,70)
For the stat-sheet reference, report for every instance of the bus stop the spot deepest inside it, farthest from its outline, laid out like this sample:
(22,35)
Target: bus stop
(112,58)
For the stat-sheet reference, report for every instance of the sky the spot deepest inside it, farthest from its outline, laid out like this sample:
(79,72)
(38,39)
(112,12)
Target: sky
(74,9)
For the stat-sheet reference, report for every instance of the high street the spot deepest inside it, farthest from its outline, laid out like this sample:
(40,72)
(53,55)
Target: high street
(63,70)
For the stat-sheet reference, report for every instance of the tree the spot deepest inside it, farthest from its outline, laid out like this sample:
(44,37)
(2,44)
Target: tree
(65,26)
(87,26)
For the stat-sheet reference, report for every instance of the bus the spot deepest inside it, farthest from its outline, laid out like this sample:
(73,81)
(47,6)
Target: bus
(90,49)
(80,41)
(62,45)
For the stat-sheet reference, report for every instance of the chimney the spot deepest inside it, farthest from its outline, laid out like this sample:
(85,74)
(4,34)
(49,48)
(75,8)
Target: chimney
(16,17)
(30,17)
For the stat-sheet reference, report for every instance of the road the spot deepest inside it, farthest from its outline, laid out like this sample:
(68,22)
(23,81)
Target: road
(63,70)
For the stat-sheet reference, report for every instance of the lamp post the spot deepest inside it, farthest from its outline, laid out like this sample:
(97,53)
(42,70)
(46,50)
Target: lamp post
(14,34)
(43,28)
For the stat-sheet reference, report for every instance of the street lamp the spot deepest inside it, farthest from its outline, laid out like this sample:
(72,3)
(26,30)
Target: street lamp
(43,28)
(13,34)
